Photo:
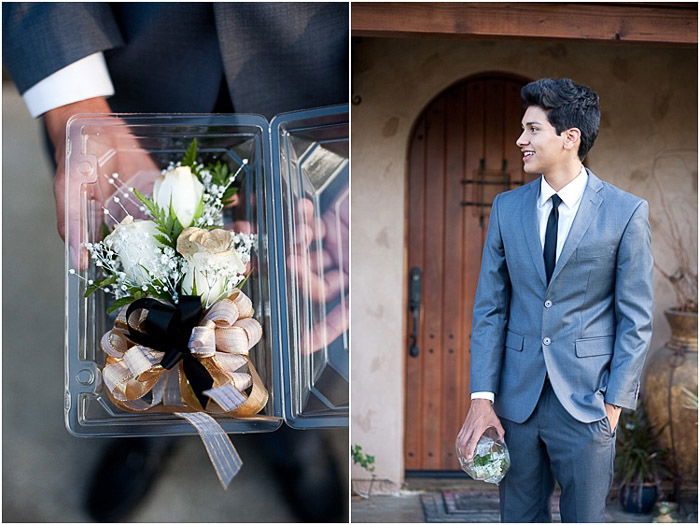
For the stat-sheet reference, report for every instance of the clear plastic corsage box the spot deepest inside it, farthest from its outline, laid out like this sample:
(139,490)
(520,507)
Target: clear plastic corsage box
(206,272)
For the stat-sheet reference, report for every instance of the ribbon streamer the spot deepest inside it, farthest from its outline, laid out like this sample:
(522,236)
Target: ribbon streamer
(222,453)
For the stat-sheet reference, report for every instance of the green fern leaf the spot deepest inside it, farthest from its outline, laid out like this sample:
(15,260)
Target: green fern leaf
(190,156)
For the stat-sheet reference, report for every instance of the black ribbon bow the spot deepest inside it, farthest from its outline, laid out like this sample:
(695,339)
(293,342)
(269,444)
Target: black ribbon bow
(167,329)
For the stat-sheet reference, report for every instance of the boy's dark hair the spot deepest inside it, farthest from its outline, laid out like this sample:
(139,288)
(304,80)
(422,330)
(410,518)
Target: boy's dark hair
(568,105)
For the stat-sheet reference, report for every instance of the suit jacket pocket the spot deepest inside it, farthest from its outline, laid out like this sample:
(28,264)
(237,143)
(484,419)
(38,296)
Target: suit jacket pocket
(514,341)
(593,346)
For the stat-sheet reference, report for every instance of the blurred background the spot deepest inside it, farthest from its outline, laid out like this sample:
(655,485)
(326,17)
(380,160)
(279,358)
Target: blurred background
(47,472)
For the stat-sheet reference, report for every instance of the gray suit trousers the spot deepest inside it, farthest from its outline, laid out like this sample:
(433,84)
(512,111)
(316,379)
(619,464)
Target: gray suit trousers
(551,445)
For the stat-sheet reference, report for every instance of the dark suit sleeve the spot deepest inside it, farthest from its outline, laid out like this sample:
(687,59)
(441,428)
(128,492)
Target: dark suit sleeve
(634,310)
(490,313)
(41,38)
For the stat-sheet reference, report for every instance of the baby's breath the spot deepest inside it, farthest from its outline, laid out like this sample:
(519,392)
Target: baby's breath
(160,274)
(161,279)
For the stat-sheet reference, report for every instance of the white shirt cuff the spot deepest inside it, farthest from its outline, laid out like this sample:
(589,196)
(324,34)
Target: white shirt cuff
(83,79)
(484,395)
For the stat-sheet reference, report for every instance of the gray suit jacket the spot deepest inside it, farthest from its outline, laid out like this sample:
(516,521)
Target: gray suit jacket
(172,57)
(589,330)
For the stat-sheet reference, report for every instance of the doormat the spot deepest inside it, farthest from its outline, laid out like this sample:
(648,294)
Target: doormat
(469,507)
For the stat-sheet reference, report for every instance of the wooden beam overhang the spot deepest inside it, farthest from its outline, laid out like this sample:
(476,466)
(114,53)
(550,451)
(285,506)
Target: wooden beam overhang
(631,23)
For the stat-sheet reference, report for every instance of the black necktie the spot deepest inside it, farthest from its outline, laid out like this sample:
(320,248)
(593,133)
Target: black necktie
(550,238)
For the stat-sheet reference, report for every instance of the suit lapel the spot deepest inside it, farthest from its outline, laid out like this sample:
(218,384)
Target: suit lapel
(590,202)
(532,229)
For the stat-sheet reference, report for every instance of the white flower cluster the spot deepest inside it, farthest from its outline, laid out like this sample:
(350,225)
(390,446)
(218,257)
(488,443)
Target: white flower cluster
(490,462)
(209,262)
(220,277)
(216,261)
(212,214)
(244,244)
(159,269)
(494,468)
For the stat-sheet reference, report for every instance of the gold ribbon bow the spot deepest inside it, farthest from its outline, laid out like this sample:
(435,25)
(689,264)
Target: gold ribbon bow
(221,343)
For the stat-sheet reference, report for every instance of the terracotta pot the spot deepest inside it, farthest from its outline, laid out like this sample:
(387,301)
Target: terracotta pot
(670,369)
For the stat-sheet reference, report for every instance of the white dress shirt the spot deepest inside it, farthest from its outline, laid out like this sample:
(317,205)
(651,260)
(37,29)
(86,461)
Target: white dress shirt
(81,80)
(571,196)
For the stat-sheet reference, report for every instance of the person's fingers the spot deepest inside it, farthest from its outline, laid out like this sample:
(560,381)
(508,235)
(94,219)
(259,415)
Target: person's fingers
(500,431)
(470,443)
(304,235)
(306,219)
(344,210)
(319,261)
(59,193)
(336,323)
(305,210)
(319,288)
(462,436)
(78,255)
(465,431)
(335,221)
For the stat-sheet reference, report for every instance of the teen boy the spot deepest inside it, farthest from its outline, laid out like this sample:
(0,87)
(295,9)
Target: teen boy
(562,315)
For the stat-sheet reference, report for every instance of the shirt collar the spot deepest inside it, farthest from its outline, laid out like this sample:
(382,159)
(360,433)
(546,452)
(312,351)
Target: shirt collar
(570,194)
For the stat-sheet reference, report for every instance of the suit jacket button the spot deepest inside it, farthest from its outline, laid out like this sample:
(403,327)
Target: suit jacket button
(546,341)
(547,303)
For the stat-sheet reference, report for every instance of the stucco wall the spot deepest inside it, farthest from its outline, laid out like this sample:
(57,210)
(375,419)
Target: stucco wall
(649,125)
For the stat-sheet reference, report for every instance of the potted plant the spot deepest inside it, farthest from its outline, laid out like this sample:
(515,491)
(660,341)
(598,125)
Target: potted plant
(640,463)
(366,462)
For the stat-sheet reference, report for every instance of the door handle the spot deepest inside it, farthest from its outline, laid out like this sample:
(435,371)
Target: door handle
(414,300)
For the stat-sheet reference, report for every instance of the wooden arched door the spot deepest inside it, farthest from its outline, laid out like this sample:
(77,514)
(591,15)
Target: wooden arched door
(462,153)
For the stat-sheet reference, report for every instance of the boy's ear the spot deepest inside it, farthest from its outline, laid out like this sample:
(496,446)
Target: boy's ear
(572,138)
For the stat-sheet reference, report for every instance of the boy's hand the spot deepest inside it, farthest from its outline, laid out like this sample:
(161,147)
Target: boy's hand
(480,417)
(129,160)
(613,414)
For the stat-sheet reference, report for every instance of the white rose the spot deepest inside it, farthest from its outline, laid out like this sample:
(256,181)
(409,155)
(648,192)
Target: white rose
(136,246)
(181,188)
(212,263)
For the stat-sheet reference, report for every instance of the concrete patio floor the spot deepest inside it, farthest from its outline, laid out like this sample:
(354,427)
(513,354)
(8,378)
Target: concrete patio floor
(406,507)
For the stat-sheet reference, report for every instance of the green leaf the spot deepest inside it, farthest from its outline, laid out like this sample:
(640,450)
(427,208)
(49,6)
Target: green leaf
(152,207)
(96,286)
(162,239)
(119,303)
(190,156)
(175,227)
(364,460)
(481,461)
(220,173)
(198,210)
(228,194)
(240,287)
